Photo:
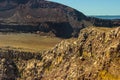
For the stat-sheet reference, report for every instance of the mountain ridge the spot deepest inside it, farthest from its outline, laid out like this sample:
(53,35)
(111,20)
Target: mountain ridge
(37,12)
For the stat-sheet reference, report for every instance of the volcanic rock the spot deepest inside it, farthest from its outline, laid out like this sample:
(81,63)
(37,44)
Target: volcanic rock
(94,55)
(45,16)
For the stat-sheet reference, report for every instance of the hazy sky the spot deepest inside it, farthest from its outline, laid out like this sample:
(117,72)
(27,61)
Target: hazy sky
(94,7)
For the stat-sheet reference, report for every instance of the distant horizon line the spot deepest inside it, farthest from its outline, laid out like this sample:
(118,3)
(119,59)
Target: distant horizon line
(103,15)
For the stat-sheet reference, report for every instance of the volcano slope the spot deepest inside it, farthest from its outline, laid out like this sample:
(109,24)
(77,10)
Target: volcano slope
(94,55)
(45,16)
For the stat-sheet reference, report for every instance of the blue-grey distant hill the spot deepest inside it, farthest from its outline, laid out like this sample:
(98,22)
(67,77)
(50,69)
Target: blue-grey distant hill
(107,16)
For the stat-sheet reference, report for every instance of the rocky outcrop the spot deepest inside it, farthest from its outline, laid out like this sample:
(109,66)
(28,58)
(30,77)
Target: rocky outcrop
(8,69)
(18,15)
(94,55)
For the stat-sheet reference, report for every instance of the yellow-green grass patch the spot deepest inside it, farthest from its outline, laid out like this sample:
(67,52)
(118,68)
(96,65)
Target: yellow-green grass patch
(27,41)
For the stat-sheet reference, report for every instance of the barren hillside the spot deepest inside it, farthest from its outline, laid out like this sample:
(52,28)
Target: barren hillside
(45,16)
(95,55)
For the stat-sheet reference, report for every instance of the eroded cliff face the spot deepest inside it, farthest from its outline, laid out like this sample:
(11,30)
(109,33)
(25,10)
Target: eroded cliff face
(30,15)
(95,55)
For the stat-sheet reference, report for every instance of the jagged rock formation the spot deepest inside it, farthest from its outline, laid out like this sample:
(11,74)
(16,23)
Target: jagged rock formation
(94,55)
(8,69)
(45,16)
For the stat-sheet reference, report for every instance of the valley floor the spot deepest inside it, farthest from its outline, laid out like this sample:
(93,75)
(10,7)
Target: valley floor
(27,41)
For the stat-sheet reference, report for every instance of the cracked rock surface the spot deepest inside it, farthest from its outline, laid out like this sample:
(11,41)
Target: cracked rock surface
(94,55)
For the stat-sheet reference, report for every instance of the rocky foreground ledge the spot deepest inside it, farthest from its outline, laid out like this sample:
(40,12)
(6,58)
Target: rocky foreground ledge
(95,55)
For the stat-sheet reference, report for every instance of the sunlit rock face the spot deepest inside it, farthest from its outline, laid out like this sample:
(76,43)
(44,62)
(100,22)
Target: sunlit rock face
(94,55)
(35,15)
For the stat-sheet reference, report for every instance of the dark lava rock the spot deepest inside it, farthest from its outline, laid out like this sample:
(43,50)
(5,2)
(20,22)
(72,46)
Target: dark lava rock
(8,69)
(45,16)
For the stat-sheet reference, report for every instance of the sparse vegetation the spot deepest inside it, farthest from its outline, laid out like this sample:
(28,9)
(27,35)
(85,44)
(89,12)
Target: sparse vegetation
(104,75)
(27,41)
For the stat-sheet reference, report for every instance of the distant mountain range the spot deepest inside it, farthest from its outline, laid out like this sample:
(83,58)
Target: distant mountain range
(45,16)
(107,16)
